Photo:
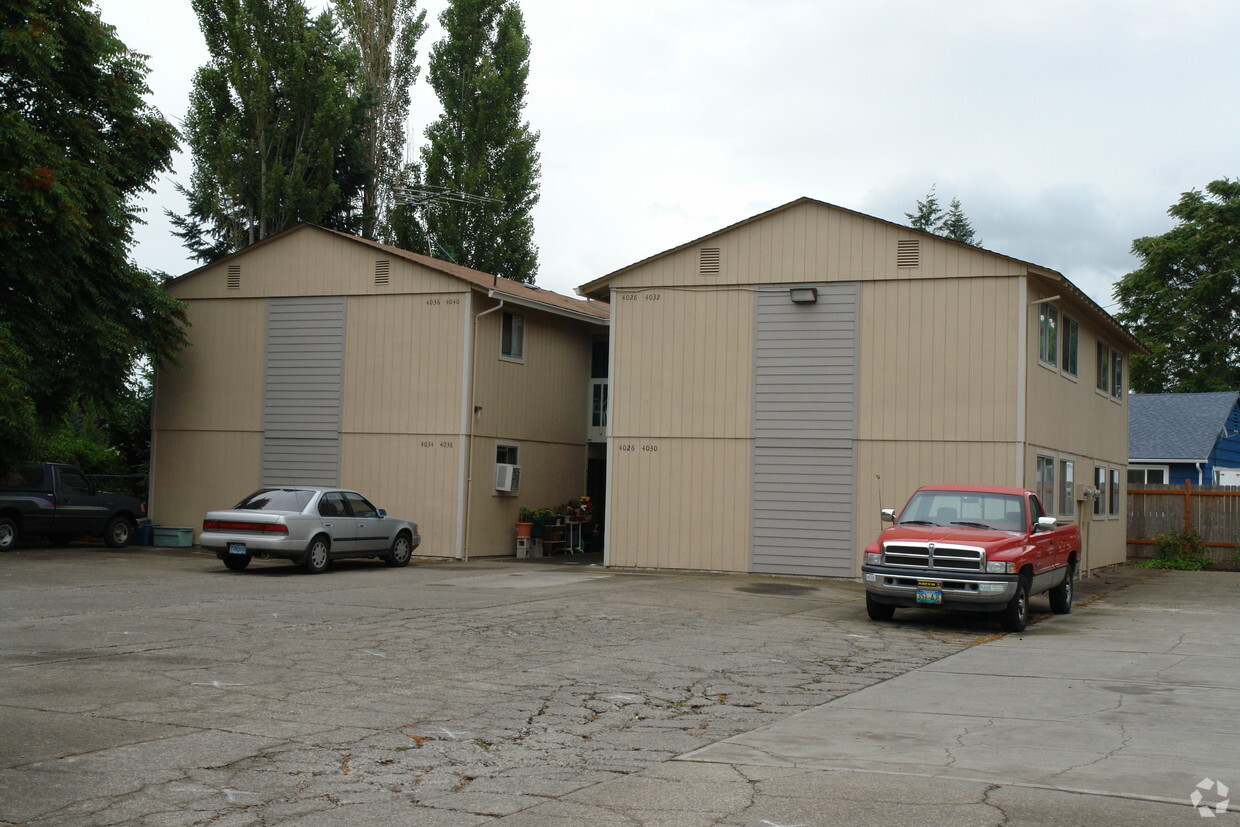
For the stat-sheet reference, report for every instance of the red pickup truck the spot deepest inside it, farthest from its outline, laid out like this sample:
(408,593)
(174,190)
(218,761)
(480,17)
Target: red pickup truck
(972,548)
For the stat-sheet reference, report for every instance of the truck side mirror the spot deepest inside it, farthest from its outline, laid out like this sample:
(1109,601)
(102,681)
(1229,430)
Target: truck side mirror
(889,515)
(1046,524)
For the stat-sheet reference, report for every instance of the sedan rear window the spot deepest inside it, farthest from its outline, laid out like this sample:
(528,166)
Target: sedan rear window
(276,499)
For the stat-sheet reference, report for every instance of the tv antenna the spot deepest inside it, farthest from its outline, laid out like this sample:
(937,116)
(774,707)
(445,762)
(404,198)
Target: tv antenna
(425,197)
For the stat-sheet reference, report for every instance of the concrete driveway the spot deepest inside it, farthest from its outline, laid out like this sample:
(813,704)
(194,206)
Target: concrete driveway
(154,687)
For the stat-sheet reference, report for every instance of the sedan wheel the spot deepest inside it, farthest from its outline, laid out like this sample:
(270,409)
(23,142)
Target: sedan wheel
(8,534)
(401,551)
(317,556)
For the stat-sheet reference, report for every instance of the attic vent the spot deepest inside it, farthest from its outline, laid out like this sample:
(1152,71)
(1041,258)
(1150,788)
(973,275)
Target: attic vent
(383,270)
(708,261)
(908,253)
(234,277)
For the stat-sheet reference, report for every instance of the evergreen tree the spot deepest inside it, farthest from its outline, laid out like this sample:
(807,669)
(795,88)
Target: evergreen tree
(77,145)
(481,146)
(272,127)
(956,226)
(928,213)
(1183,302)
(385,34)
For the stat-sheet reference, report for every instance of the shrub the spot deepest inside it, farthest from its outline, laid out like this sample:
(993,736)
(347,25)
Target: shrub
(1183,550)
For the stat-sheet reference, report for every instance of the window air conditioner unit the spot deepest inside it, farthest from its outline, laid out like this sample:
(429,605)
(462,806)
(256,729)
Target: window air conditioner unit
(507,477)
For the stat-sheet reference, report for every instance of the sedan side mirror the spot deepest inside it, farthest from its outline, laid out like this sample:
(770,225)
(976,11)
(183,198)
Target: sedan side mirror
(889,515)
(382,512)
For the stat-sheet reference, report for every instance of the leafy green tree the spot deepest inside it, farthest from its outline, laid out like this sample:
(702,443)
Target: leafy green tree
(1183,302)
(385,34)
(272,127)
(481,146)
(77,145)
(111,437)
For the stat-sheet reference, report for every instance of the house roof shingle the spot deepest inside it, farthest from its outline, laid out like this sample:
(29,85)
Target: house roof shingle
(1176,426)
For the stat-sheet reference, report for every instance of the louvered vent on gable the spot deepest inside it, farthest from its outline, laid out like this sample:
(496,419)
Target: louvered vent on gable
(234,277)
(383,271)
(708,261)
(908,252)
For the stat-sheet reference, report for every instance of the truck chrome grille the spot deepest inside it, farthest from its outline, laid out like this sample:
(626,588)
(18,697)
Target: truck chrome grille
(941,557)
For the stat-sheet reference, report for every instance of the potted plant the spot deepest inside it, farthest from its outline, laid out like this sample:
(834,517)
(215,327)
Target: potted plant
(579,510)
(525,522)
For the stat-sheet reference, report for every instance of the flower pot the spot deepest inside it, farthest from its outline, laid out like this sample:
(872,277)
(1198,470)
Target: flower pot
(524,529)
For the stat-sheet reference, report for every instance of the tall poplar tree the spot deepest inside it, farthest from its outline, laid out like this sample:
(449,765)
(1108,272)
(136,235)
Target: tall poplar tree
(481,147)
(78,145)
(385,34)
(272,127)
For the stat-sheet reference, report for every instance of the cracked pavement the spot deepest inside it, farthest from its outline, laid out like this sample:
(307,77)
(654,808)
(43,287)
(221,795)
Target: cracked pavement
(154,687)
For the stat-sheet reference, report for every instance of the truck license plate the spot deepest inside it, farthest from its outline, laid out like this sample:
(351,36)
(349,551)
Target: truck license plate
(929,591)
(236,548)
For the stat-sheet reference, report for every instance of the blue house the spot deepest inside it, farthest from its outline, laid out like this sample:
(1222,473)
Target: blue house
(1173,437)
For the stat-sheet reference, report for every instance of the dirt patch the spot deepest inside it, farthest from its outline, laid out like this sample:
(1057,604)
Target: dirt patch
(1223,565)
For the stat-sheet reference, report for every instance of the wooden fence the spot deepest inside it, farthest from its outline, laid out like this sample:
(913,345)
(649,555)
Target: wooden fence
(1213,511)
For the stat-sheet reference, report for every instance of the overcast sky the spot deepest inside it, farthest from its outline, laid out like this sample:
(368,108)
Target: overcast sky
(1065,127)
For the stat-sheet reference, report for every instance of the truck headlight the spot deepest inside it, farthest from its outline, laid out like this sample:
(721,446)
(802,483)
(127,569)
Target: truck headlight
(872,559)
(1000,567)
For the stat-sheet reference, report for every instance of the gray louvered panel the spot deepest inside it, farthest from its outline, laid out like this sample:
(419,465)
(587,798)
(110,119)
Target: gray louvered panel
(804,426)
(304,383)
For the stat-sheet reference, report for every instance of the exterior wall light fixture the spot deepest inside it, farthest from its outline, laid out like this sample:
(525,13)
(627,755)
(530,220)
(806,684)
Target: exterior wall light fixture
(804,295)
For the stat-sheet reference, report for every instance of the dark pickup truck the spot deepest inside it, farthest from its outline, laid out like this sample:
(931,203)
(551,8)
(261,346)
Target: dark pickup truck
(61,503)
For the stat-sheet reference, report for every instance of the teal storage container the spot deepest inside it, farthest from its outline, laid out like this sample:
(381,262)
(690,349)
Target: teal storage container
(171,537)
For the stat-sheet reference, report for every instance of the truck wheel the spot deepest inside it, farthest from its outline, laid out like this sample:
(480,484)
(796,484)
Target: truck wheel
(878,611)
(1015,616)
(1061,595)
(401,551)
(8,534)
(317,556)
(117,533)
(237,562)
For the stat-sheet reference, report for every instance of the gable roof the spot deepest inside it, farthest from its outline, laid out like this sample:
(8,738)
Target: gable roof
(1056,279)
(507,289)
(1181,427)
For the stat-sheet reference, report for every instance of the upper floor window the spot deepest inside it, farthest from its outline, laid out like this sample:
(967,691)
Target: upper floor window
(1103,365)
(1068,353)
(512,336)
(1048,333)
(1117,374)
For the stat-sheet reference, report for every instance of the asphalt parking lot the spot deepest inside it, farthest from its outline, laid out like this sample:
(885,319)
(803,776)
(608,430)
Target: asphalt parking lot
(153,686)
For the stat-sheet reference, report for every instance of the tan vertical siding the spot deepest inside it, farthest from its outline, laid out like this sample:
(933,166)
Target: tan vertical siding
(196,471)
(937,361)
(681,445)
(539,404)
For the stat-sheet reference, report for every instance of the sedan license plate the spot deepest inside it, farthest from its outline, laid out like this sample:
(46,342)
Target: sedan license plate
(236,548)
(929,591)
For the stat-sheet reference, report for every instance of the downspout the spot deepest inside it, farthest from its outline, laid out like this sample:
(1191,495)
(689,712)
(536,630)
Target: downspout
(1022,377)
(473,416)
(1200,477)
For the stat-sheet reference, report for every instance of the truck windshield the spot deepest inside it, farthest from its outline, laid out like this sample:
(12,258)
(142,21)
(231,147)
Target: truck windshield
(1005,512)
(276,499)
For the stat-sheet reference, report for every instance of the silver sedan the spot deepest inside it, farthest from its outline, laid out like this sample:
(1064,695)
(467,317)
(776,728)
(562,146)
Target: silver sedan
(310,526)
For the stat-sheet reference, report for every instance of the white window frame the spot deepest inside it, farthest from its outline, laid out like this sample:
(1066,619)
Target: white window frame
(1044,481)
(1145,477)
(1100,483)
(1067,488)
(1071,330)
(512,336)
(1113,490)
(1048,335)
(1102,366)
